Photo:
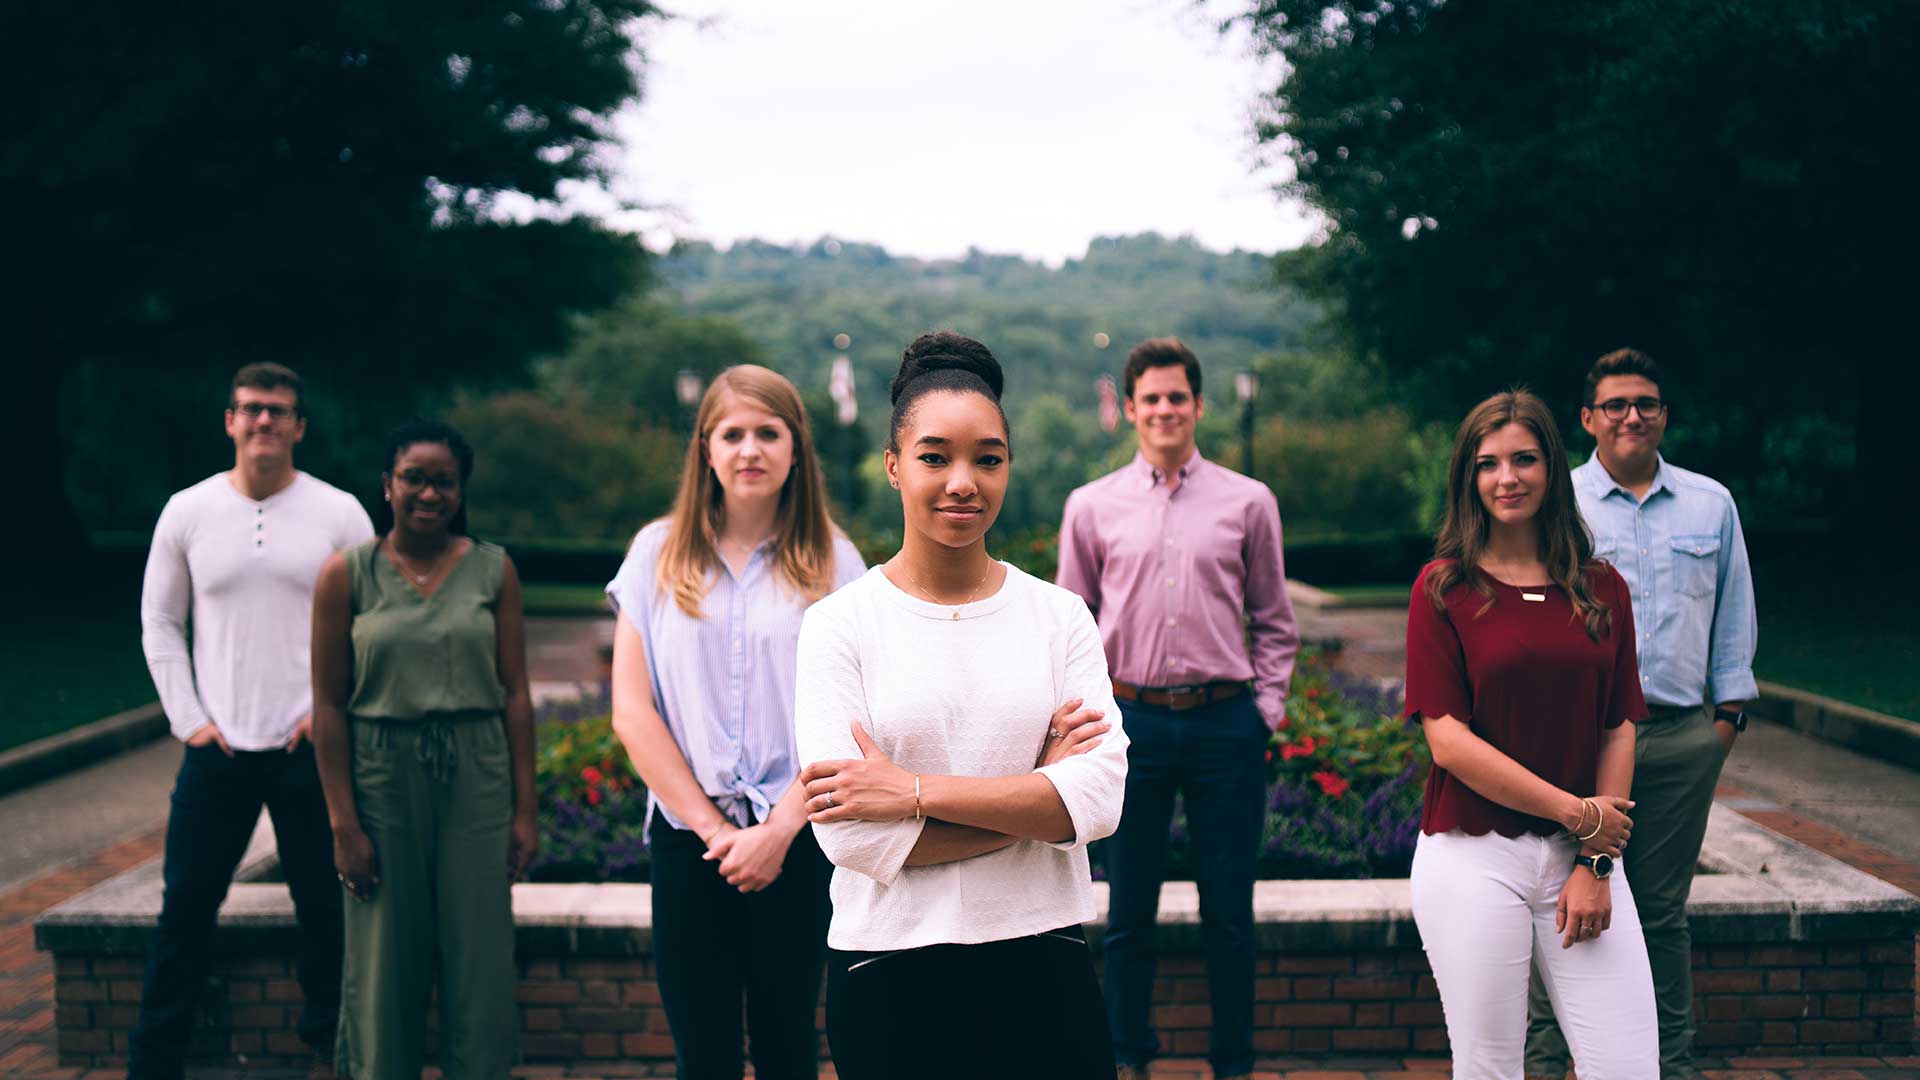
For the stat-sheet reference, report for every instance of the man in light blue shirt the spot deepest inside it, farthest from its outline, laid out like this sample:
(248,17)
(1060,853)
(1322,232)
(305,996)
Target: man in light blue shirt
(1675,536)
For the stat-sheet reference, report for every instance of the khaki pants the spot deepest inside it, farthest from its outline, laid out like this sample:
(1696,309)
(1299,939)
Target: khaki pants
(1677,757)
(436,799)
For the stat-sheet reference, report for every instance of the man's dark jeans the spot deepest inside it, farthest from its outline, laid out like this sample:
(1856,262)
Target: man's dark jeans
(216,802)
(1214,757)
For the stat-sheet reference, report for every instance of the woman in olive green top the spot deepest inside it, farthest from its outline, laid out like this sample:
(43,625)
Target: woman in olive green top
(423,731)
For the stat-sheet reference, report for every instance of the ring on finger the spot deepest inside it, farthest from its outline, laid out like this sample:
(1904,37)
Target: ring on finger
(1053,733)
(829,800)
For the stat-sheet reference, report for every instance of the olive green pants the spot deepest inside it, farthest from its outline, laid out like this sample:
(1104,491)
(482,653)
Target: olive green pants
(436,799)
(1677,756)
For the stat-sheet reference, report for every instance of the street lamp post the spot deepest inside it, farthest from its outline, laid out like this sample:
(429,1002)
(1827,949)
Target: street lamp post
(686,387)
(1246,386)
(687,390)
(846,409)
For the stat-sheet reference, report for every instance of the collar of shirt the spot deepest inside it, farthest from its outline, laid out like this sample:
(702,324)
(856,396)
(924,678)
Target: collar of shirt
(1601,483)
(1151,477)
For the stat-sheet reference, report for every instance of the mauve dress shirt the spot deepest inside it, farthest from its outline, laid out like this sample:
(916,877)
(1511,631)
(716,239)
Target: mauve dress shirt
(724,684)
(1187,586)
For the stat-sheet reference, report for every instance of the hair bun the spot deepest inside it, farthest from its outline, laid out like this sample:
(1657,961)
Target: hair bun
(947,351)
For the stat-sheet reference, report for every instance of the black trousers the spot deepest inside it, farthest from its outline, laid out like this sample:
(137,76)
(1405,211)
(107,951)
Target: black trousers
(1024,1007)
(1214,757)
(216,801)
(713,945)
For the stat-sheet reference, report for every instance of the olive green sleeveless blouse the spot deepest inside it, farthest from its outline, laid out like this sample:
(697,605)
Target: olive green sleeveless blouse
(416,656)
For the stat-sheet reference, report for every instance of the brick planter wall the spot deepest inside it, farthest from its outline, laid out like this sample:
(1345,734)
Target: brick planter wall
(1803,955)
(1836,998)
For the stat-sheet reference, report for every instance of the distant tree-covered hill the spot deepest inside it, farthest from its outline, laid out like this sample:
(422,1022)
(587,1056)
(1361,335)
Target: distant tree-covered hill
(1040,321)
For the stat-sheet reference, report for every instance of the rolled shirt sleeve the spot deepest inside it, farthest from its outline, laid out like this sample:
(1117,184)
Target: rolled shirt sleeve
(1079,570)
(1273,634)
(827,701)
(1092,785)
(1736,629)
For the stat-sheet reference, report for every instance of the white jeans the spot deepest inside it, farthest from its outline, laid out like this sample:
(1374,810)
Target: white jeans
(1485,908)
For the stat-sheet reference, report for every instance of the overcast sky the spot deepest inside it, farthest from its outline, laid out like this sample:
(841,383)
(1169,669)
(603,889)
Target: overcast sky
(928,126)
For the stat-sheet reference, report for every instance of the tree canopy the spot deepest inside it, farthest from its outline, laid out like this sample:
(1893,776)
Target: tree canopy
(324,185)
(1512,189)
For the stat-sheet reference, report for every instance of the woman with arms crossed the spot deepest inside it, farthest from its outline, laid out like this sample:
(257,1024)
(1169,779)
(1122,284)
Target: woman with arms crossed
(953,777)
(423,731)
(710,600)
(1521,668)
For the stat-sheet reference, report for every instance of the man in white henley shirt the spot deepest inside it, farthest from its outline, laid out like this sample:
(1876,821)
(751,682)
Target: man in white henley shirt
(233,561)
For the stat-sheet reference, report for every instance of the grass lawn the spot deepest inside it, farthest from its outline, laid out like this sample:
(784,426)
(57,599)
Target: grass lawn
(1373,596)
(541,598)
(1876,667)
(61,670)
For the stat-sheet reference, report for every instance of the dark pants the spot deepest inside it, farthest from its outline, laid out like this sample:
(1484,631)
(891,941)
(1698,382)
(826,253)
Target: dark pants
(1214,757)
(1024,1007)
(216,803)
(713,944)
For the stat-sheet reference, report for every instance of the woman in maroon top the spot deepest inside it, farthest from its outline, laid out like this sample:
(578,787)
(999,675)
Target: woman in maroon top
(1520,666)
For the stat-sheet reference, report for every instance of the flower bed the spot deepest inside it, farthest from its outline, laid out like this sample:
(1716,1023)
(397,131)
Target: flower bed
(1346,774)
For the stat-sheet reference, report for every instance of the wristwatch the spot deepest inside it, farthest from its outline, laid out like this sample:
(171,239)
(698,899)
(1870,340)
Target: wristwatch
(1601,864)
(1736,717)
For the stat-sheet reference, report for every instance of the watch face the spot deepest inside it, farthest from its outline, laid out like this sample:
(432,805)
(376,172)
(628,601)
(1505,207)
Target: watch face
(1602,865)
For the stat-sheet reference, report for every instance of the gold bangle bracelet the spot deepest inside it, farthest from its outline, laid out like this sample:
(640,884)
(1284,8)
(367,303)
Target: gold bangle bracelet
(1598,820)
(916,796)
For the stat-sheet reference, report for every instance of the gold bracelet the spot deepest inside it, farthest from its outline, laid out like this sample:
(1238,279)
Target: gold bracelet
(1581,823)
(1598,820)
(916,796)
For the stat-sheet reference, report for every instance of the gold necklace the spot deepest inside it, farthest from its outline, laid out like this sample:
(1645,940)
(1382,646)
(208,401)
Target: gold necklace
(405,566)
(928,593)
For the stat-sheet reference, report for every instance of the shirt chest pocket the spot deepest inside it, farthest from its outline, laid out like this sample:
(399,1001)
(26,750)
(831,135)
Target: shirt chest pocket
(1696,563)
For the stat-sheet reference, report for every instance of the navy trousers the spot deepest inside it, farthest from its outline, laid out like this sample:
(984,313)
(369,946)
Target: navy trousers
(216,802)
(1213,757)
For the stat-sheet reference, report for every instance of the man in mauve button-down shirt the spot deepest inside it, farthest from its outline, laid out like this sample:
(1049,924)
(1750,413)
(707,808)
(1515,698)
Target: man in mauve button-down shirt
(1179,560)
(1675,537)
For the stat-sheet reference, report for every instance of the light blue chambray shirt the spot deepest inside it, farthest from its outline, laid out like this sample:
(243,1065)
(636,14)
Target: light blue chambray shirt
(724,683)
(1682,552)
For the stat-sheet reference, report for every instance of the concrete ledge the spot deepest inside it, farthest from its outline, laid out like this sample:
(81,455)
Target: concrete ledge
(1761,887)
(1876,734)
(84,745)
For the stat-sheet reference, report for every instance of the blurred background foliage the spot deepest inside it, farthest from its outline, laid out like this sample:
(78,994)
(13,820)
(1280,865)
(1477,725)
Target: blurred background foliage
(372,195)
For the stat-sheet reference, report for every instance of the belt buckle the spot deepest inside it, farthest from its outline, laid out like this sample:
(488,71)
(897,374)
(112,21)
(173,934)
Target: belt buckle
(1197,688)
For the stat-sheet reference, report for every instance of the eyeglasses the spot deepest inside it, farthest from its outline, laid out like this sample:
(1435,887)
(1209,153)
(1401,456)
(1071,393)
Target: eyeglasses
(1649,408)
(254,410)
(419,481)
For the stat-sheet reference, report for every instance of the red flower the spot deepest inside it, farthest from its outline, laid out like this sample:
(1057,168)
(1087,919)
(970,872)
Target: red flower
(1304,747)
(1312,692)
(1282,726)
(1269,755)
(1332,784)
(593,796)
(592,775)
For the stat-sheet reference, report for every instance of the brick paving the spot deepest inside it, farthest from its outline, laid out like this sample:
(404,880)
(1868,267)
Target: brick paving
(26,976)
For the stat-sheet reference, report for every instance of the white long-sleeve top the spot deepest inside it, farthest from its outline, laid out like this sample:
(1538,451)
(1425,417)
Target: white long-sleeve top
(241,573)
(965,696)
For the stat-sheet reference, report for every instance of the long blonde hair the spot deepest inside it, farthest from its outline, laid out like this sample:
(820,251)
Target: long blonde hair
(803,531)
(1564,545)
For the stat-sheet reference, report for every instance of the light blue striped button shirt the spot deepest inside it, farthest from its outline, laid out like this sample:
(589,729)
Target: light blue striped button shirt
(724,683)
(1682,552)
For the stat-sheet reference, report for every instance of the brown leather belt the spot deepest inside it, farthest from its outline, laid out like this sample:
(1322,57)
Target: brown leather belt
(1179,698)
